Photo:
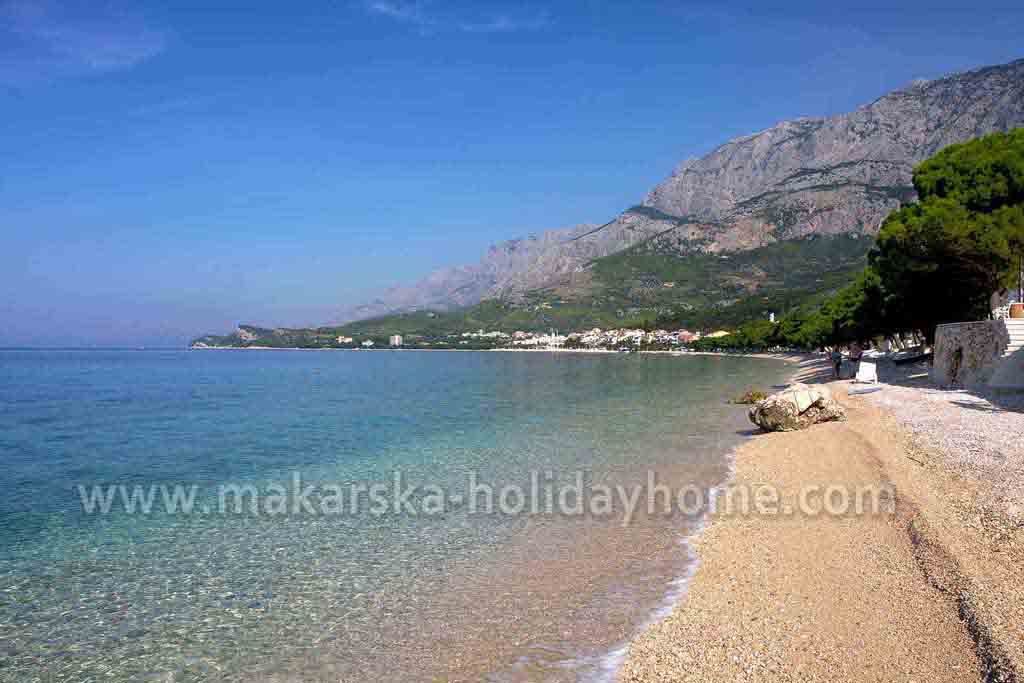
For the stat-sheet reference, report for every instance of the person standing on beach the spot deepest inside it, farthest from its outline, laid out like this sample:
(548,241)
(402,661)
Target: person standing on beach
(856,352)
(837,361)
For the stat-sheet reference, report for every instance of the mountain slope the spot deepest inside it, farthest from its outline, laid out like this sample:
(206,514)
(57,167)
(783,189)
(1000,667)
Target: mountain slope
(839,174)
(834,175)
(636,287)
(460,286)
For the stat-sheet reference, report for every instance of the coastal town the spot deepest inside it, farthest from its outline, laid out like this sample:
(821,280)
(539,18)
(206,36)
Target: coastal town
(595,339)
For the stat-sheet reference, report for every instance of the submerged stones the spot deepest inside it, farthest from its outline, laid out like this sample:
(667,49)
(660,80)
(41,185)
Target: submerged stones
(796,407)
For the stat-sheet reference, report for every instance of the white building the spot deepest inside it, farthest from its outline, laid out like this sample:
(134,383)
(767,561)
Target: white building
(368,343)
(395,340)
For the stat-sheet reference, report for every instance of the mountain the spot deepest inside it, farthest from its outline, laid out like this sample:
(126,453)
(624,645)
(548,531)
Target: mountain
(515,266)
(810,176)
(632,288)
(641,286)
(459,286)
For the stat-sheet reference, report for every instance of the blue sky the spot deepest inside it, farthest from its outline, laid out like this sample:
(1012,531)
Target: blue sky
(170,169)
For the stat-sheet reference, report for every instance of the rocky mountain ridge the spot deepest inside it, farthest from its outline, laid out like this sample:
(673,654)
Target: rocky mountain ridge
(835,175)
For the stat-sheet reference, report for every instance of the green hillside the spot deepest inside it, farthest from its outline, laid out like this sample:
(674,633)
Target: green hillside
(723,290)
(645,286)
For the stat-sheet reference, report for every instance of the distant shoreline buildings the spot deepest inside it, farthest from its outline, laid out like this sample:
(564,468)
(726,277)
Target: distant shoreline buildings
(596,338)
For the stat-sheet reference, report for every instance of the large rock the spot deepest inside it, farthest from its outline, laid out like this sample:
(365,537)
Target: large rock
(796,407)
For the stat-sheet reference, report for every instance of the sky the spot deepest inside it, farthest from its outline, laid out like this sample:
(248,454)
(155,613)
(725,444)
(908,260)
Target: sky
(173,169)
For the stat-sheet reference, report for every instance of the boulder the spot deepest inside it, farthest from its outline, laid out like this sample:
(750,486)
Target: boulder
(796,407)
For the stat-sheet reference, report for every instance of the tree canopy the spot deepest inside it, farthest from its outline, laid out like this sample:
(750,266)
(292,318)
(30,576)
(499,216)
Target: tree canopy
(941,259)
(981,175)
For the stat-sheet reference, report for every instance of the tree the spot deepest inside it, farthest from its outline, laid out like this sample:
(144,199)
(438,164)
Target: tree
(856,313)
(982,175)
(941,260)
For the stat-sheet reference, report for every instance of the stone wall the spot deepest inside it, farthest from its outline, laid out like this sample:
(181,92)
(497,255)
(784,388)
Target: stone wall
(967,354)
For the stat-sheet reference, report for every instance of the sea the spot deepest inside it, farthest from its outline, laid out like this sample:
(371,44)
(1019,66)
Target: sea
(258,515)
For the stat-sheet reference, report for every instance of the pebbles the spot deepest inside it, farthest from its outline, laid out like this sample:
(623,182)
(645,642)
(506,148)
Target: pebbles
(976,435)
(810,598)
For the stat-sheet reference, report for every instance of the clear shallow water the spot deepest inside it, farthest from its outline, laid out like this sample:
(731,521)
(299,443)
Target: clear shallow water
(352,596)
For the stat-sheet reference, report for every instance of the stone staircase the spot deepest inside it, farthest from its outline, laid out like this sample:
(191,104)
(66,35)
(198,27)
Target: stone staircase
(1015,328)
(1010,373)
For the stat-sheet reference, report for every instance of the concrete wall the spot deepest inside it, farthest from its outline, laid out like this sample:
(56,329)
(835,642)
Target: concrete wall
(1010,373)
(968,354)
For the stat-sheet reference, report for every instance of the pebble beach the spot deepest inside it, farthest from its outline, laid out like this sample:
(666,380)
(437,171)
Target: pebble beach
(930,589)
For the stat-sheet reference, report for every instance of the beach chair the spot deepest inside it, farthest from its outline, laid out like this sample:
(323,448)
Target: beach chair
(867,372)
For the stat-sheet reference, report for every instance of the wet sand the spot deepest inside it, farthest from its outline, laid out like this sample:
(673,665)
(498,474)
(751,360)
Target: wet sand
(910,595)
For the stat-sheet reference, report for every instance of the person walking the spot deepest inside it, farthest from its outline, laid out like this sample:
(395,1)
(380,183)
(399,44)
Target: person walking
(856,352)
(837,361)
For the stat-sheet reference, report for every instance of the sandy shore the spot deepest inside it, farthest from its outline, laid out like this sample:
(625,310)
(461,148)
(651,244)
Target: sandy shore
(930,588)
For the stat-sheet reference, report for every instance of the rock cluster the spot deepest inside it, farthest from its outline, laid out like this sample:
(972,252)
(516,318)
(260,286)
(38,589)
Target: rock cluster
(797,407)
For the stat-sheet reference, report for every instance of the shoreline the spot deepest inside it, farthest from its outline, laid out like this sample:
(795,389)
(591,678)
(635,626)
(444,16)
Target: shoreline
(611,666)
(808,368)
(772,599)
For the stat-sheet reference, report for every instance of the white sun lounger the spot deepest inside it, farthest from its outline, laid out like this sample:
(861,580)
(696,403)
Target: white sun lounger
(867,372)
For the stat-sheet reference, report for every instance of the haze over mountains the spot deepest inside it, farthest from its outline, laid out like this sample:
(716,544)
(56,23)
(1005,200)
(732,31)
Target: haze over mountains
(809,176)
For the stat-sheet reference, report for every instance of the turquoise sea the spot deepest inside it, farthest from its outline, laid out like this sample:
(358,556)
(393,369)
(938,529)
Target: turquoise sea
(345,593)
